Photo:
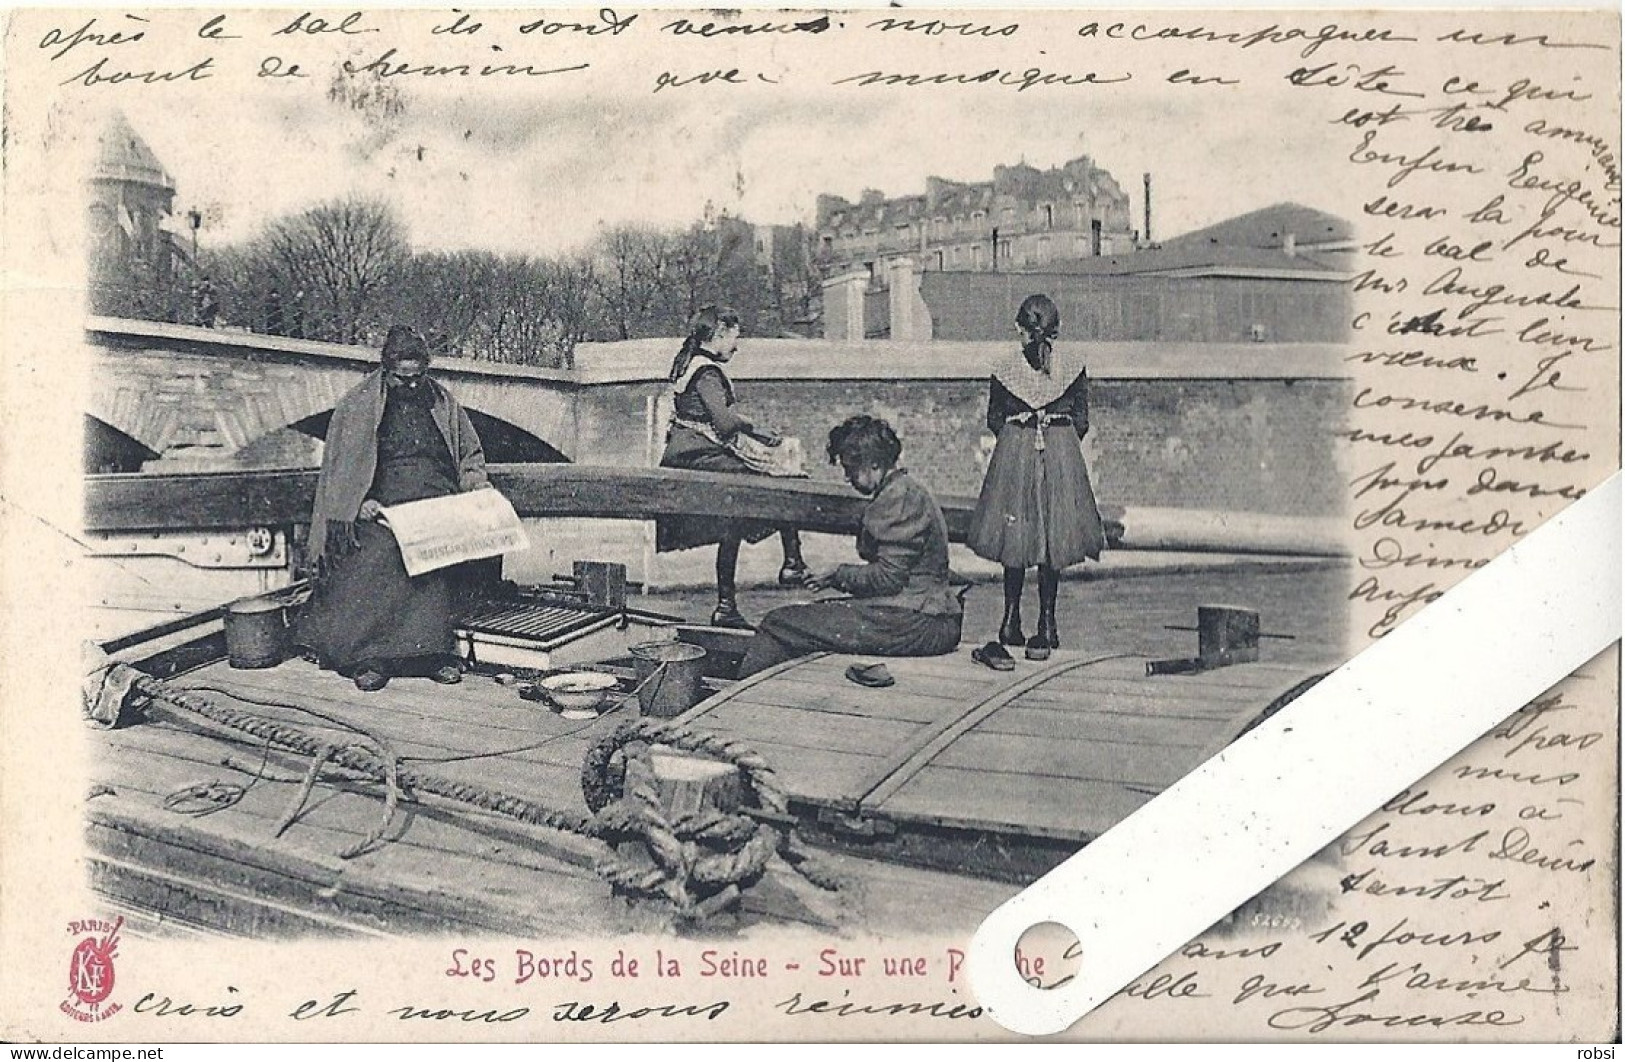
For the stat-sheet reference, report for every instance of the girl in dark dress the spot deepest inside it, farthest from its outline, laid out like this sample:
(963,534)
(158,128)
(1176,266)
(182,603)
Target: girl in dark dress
(705,420)
(1036,507)
(899,603)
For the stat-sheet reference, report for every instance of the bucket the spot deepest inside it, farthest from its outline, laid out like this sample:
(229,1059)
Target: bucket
(256,633)
(668,676)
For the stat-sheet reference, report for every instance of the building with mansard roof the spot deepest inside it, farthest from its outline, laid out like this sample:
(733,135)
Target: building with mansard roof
(1023,218)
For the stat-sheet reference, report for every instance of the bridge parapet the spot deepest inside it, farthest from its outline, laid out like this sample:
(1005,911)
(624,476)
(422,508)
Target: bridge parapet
(1238,427)
(1225,426)
(641,360)
(212,399)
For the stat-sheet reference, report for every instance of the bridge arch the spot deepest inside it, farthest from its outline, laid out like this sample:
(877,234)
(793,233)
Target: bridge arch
(148,424)
(107,449)
(209,398)
(504,442)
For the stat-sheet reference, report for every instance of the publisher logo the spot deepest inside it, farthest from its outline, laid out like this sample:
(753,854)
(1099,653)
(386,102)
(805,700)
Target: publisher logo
(90,970)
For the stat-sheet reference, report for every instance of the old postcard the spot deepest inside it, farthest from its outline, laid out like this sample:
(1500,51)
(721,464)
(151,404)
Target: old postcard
(936,432)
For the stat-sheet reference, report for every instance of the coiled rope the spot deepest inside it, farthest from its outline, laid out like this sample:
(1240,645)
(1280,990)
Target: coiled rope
(700,863)
(701,860)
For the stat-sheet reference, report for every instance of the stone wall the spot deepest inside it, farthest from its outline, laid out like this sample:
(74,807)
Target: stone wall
(1263,446)
(1245,427)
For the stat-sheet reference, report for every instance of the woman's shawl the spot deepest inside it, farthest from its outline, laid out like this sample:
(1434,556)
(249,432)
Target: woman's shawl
(1034,386)
(350,460)
(699,362)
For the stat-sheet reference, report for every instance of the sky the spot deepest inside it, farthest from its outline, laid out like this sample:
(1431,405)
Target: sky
(542,174)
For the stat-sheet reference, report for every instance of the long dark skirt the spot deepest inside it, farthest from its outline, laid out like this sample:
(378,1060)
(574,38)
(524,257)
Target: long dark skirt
(368,610)
(1037,506)
(855,627)
(686,449)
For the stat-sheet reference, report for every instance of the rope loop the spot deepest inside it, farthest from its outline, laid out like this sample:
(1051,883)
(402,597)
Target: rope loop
(699,864)
(707,858)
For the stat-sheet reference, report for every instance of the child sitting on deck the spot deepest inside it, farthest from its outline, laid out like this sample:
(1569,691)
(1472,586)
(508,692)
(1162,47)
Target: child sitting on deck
(900,603)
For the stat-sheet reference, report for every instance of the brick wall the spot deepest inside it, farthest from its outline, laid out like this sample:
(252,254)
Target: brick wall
(971,306)
(1262,446)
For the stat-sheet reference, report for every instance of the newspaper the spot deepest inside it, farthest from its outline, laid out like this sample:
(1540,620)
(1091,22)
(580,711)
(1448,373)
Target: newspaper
(439,532)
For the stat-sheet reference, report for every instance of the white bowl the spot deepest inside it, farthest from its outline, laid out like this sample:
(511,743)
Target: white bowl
(578,694)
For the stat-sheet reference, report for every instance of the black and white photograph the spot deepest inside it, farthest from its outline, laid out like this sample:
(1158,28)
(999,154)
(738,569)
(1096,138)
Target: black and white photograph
(645,524)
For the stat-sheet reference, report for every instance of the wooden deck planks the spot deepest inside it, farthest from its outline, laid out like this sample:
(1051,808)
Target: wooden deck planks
(1088,722)
(511,876)
(552,773)
(425,868)
(862,704)
(1089,760)
(343,816)
(1072,722)
(816,731)
(1050,807)
(418,734)
(1128,703)
(476,701)
(1065,757)
(911,699)
(1159,689)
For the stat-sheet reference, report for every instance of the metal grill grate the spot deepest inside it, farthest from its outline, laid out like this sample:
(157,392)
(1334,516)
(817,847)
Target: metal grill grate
(546,623)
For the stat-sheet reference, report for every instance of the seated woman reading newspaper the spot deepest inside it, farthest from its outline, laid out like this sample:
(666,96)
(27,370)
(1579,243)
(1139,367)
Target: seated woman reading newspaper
(900,603)
(398,436)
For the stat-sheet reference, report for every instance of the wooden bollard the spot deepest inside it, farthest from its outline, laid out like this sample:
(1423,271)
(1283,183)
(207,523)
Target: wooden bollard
(603,583)
(684,785)
(1227,632)
(689,785)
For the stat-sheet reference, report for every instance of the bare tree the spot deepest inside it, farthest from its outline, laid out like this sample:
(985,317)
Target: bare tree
(573,283)
(694,268)
(343,271)
(449,298)
(795,280)
(633,278)
(348,252)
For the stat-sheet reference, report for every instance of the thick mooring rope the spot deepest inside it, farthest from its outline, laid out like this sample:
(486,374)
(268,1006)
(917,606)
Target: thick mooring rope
(699,863)
(703,859)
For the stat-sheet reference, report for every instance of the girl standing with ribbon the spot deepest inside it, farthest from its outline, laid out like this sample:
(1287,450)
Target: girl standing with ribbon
(1036,507)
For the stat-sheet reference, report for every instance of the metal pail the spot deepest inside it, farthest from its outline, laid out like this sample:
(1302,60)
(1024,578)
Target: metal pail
(668,676)
(256,633)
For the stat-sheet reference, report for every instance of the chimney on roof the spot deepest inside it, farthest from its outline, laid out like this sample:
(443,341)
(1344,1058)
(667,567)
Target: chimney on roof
(1289,244)
(1147,208)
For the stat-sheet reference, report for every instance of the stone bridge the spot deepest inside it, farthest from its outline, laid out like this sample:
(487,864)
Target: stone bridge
(1212,430)
(179,398)
(1230,427)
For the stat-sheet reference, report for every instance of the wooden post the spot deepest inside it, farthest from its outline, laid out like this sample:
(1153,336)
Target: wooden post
(685,785)
(1228,632)
(603,582)
(690,784)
